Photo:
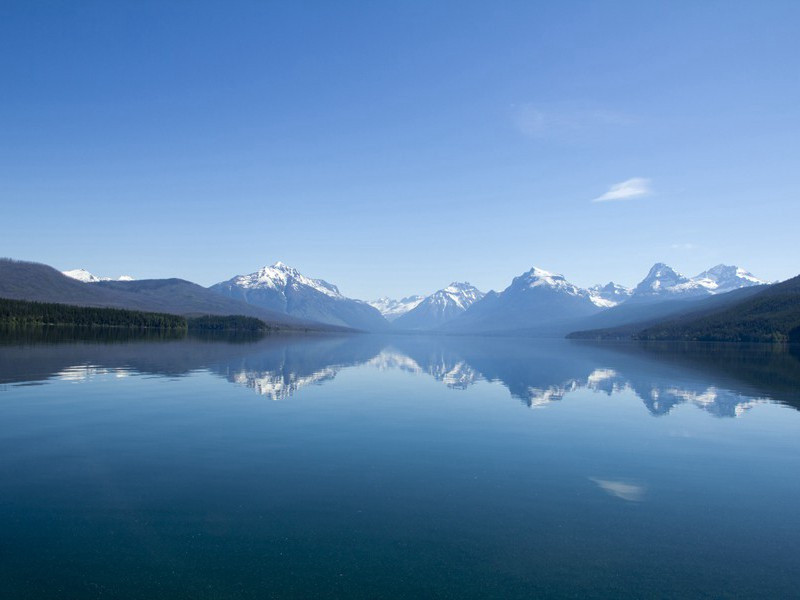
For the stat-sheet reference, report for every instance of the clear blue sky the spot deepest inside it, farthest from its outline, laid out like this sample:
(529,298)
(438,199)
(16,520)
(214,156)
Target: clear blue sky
(391,148)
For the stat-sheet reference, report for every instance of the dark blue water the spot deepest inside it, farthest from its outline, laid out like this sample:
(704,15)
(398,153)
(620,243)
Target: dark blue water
(368,467)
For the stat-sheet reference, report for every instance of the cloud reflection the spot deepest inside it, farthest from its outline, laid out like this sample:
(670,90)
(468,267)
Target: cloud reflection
(623,490)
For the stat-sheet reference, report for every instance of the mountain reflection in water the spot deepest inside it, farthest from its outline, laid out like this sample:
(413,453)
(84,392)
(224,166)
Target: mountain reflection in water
(723,380)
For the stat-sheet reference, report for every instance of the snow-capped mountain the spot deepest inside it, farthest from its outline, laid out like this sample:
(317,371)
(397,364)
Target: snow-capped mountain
(726,278)
(663,282)
(281,277)
(609,295)
(440,307)
(87,277)
(533,299)
(283,288)
(392,309)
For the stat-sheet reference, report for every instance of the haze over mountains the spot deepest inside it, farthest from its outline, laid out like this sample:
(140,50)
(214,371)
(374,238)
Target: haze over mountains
(536,302)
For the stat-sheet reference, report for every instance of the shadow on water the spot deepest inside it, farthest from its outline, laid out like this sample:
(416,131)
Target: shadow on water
(722,379)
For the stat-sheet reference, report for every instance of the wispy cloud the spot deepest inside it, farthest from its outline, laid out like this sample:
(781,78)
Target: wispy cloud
(536,122)
(686,246)
(636,187)
(630,492)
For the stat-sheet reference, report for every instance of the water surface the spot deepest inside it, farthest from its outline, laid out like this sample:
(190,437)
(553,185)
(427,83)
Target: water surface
(380,467)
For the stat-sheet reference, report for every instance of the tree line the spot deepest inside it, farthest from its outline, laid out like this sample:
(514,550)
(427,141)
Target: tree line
(24,313)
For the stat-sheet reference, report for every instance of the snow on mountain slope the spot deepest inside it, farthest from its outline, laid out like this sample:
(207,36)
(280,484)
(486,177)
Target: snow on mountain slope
(534,299)
(545,280)
(726,278)
(609,295)
(280,277)
(392,309)
(663,281)
(440,307)
(458,295)
(283,288)
(81,275)
(87,277)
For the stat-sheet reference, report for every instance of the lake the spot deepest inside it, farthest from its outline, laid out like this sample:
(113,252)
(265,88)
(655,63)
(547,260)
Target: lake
(396,467)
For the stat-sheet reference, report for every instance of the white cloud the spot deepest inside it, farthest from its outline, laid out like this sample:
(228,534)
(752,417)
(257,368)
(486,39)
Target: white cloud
(686,246)
(621,489)
(636,187)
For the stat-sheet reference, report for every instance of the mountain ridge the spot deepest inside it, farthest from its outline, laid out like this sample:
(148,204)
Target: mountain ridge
(284,289)
(440,307)
(20,280)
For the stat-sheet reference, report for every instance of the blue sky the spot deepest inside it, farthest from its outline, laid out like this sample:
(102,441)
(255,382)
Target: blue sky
(393,148)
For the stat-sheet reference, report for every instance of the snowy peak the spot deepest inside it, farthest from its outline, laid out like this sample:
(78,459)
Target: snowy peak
(280,276)
(457,294)
(87,277)
(538,278)
(441,306)
(82,275)
(392,309)
(534,300)
(282,288)
(726,278)
(609,295)
(661,277)
(663,280)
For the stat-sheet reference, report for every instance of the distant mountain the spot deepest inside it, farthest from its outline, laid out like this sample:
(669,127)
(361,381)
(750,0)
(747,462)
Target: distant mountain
(41,283)
(87,277)
(284,289)
(726,278)
(534,299)
(665,282)
(392,309)
(663,294)
(610,294)
(440,307)
(624,320)
(772,315)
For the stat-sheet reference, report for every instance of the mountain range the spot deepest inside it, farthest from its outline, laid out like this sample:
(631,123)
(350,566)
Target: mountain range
(771,315)
(665,282)
(533,298)
(41,283)
(537,302)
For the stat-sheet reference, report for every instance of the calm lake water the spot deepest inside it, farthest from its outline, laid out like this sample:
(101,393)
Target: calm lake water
(405,467)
